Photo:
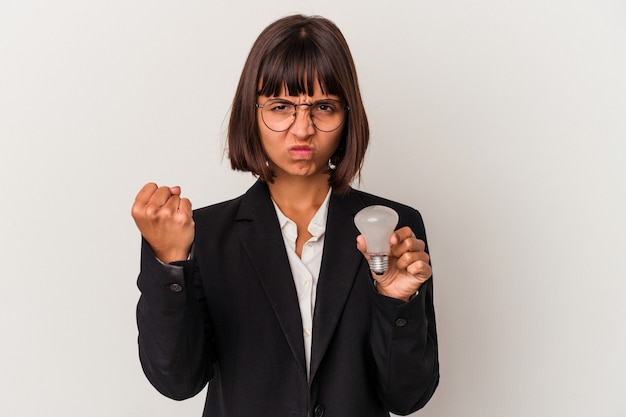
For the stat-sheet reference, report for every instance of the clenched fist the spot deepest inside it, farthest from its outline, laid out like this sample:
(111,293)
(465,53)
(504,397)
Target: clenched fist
(165,221)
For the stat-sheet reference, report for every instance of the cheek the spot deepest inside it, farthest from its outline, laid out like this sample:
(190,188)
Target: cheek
(334,143)
(269,140)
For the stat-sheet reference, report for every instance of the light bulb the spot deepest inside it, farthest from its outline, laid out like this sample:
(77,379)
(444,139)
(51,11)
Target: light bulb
(376,224)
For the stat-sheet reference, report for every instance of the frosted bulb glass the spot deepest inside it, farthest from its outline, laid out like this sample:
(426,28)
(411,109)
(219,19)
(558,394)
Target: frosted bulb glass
(376,224)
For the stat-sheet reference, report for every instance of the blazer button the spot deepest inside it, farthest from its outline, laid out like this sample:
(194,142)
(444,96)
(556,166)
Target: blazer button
(176,287)
(400,322)
(319,410)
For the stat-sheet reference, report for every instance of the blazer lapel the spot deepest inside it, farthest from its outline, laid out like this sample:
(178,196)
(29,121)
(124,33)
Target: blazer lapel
(262,239)
(340,263)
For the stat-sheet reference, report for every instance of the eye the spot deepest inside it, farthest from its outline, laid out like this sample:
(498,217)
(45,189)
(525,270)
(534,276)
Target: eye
(279,107)
(325,107)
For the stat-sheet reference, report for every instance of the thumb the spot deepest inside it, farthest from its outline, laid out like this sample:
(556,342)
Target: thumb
(360,244)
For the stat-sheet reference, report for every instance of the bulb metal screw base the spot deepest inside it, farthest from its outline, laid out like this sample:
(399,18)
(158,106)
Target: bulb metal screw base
(379,263)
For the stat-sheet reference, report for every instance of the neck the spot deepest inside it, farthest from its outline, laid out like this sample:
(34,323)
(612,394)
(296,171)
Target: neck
(299,195)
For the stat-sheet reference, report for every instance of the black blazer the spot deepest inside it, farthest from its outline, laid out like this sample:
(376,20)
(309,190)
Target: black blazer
(230,316)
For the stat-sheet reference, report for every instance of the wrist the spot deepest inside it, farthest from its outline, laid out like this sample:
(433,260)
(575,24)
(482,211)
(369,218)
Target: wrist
(382,290)
(174,256)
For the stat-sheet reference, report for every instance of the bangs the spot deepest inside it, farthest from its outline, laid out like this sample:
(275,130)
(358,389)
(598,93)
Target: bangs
(296,65)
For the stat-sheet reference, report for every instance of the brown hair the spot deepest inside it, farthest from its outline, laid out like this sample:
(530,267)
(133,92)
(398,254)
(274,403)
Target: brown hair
(295,51)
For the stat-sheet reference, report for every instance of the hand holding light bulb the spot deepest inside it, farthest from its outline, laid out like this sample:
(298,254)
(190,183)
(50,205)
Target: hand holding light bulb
(397,258)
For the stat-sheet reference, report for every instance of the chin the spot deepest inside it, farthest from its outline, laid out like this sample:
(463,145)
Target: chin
(302,172)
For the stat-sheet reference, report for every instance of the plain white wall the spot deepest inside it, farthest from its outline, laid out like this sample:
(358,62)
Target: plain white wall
(502,121)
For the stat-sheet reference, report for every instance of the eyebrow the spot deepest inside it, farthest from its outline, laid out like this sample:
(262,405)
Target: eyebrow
(289,98)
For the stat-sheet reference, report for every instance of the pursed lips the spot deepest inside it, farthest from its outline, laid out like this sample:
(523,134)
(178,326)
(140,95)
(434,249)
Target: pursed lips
(301,151)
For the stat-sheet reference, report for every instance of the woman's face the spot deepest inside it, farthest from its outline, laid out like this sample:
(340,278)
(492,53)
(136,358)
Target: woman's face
(301,150)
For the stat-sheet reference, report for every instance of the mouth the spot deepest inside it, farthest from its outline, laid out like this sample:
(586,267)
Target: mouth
(301,151)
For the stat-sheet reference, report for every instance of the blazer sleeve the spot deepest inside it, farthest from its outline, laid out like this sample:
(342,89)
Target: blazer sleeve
(404,345)
(175,336)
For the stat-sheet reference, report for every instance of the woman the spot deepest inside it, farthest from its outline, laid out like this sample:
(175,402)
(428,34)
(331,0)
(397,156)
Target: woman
(268,297)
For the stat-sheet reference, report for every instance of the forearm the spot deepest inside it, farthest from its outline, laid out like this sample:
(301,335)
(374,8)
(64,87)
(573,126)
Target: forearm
(174,331)
(404,344)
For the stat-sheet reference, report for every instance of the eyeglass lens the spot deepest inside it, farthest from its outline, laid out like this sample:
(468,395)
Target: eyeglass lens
(326,115)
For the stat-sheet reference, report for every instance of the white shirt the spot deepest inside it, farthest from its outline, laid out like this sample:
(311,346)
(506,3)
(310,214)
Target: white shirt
(306,270)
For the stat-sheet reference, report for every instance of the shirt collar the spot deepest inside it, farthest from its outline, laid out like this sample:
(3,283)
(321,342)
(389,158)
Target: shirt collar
(317,226)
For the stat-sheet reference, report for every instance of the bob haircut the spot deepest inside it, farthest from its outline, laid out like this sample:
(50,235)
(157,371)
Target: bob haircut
(294,52)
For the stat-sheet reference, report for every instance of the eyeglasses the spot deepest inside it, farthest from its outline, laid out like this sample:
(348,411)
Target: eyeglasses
(326,115)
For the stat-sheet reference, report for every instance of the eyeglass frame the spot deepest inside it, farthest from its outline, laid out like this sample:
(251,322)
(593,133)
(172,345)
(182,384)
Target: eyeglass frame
(296,105)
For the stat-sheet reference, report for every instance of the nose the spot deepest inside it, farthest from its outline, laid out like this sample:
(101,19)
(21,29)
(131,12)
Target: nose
(302,126)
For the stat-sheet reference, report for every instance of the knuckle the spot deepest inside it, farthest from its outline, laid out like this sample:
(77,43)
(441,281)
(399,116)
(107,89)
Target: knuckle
(151,211)
(417,268)
(135,211)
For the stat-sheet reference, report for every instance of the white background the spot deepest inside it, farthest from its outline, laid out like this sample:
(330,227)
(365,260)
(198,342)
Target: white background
(503,122)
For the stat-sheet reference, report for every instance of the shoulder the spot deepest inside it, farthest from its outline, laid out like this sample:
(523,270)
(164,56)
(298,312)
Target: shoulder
(244,207)
(408,216)
(219,213)
(218,208)
(368,199)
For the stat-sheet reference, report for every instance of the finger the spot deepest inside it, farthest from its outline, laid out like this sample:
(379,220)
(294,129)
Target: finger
(408,259)
(161,197)
(415,263)
(410,244)
(175,190)
(401,234)
(172,203)
(420,269)
(185,206)
(143,196)
(361,245)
